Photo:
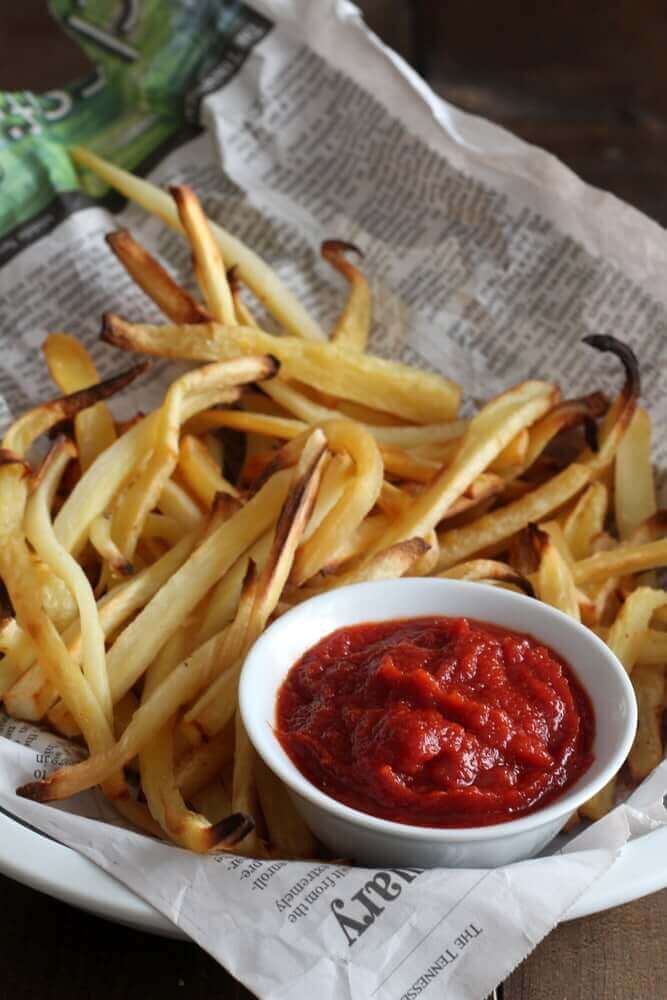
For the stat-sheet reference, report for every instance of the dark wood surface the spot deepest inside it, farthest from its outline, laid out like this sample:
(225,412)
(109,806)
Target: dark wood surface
(586,81)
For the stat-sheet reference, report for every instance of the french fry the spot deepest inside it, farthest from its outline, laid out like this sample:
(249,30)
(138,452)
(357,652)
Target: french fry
(260,278)
(357,498)
(55,660)
(175,503)
(387,385)
(288,834)
(354,323)
(214,801)
(207,260)
(634,486)
(586,520)
(566,414)
(72,368)
(94,492)
(553,581)
(225,677)
(625,558)
(202,764)
(200,472)
(40,534)
(489,432)
(486,570)
(176,304)
(157,767)
(625,640)
(513,455)
(162,526)
(106,548)
(388,564)
(310,412)
(653,651)
(335,477)
(647,750)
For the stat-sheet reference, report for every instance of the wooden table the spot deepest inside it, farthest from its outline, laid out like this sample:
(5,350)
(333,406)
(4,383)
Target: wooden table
(589,82)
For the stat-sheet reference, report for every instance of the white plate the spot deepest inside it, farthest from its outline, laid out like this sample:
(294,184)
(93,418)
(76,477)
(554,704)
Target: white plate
(29,857)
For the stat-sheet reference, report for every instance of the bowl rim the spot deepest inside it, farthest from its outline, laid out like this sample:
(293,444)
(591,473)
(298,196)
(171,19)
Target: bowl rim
(274,756)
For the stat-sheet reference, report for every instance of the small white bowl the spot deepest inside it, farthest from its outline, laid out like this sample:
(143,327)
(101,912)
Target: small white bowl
(372,841)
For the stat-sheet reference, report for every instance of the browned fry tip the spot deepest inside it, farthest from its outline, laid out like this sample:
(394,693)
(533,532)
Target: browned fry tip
(8,457)
(250,578)
(333,248)
(273,366)
(36,791)
(114,331)
(225,505)
(625,354)
(416,546)
(520,581)
(231,830)
(61,443)
(154,280)
(233,279)
(591,433)
(596,403)
(70,405)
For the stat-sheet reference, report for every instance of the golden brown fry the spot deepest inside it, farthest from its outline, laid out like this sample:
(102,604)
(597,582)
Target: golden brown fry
(200,473)
(653,651)
(72,368)
(106,548)
(354,323)
(586,520)
(206,257)
(625,558)
(356,501)
(300,405)
(634,485)
(175,503)
(489,569)
(203,763)
(388,564)
(177,304)
(553,581)
(647,750)
(489,432)
(625,640)
(387,385)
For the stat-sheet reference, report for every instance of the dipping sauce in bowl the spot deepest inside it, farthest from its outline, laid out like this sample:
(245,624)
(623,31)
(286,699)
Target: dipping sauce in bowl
(438,721)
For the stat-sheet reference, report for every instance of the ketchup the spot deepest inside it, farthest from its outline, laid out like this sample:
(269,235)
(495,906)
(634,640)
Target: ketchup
(437,721)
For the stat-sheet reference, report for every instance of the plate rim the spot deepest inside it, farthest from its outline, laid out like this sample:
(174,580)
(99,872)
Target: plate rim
(34,859)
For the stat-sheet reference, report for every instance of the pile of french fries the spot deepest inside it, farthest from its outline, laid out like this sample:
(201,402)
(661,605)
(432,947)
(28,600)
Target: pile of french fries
(141,559)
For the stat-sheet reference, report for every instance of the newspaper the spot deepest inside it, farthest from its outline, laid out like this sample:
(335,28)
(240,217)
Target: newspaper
(490,261)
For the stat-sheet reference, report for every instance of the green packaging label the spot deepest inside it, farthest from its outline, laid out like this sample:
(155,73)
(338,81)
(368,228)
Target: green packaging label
(155,60)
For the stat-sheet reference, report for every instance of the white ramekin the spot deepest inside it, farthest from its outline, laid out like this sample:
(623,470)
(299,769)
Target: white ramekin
(369,840)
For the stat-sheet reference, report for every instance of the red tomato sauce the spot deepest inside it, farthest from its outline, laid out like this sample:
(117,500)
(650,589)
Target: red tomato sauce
(436,721)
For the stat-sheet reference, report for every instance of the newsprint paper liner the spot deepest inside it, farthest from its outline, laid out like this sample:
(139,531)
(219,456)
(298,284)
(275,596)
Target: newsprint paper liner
(489,262)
